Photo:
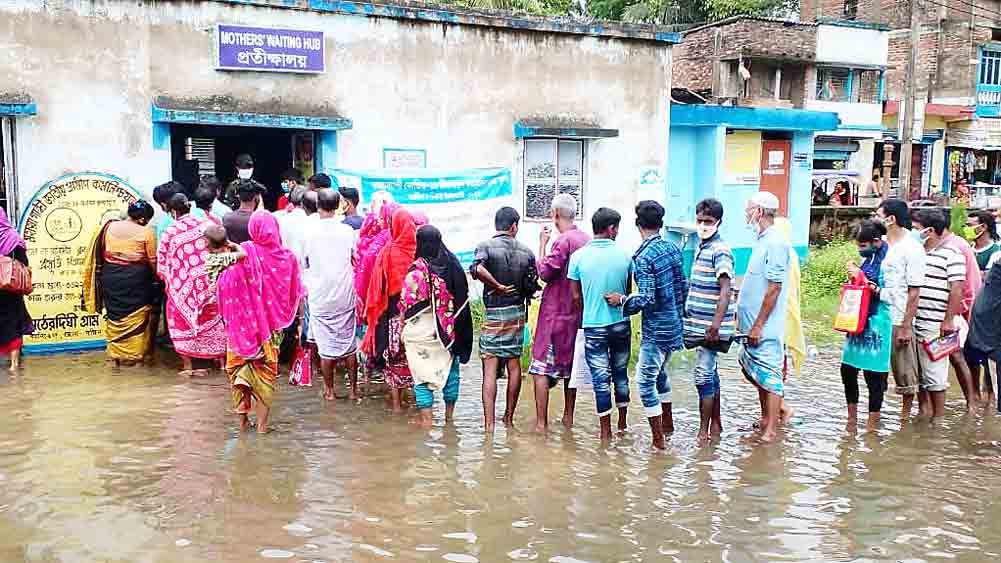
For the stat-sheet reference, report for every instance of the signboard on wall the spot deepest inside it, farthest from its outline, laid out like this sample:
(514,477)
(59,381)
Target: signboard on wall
(480,191)
(742,160)
(59,224)
(404,158)
(269,49)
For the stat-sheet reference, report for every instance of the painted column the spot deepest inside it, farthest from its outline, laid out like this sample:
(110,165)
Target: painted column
(326,151)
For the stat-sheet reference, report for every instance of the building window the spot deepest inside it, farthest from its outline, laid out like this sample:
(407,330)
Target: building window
(8,193)
(851,9)
(201,151)
(552,166)
(834,84)
(990,68)
(996,34)
(866,87)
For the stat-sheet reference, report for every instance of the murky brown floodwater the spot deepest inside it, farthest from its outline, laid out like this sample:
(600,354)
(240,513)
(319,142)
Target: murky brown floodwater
(145,467)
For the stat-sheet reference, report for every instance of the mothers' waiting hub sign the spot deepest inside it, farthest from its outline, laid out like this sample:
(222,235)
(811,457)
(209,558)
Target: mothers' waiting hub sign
(268,49)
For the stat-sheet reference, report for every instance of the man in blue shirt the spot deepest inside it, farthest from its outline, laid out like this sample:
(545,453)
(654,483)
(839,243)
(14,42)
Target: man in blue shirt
(757,315)
(660,295)
(596,270)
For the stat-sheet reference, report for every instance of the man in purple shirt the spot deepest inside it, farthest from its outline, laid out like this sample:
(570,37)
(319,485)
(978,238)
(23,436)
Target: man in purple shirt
(559,320)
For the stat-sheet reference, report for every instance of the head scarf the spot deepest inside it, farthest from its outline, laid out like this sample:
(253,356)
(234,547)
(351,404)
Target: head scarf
(372,237)
(389,270)
(443,264)
(420,218)
(9,239)
(260,294)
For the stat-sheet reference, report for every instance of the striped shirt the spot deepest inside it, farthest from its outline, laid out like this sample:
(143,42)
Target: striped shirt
(943,267)
(713,260)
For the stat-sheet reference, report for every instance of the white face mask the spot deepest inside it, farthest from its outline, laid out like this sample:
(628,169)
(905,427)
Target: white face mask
(752,223)
(707,231)
(245,173)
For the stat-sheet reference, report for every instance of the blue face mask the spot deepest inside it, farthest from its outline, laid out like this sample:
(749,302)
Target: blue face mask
(920,237)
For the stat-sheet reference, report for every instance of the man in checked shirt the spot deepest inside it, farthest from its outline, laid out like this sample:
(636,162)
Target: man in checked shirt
(661,290)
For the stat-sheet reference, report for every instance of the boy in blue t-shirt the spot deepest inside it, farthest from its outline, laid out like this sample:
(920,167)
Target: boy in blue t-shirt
(595,270)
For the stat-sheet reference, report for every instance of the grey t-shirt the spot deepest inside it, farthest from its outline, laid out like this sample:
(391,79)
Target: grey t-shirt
(236,225)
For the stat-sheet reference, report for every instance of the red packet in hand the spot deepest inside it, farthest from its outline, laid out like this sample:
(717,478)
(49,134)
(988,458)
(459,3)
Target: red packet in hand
(302,368)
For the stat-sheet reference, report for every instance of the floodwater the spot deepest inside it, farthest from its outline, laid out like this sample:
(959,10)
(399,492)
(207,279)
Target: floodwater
(143,466)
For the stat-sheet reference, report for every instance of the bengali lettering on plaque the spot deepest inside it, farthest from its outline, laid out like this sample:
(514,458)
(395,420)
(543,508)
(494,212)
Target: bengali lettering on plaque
(267,49)
(59,224)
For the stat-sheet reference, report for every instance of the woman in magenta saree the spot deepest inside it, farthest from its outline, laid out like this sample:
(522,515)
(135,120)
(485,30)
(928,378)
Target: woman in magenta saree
(193,318)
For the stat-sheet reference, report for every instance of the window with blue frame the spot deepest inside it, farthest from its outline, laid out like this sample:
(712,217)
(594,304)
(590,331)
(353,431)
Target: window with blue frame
(859,86)
(989,82)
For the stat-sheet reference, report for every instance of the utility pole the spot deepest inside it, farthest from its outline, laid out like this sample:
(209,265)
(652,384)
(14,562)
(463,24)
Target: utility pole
(910,101)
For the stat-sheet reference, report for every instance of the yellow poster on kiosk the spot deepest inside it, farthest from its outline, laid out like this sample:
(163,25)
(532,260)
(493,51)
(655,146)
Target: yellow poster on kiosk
(59,224)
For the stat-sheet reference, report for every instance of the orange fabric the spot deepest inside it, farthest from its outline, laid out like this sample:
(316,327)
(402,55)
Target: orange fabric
(390,269)
(127,242)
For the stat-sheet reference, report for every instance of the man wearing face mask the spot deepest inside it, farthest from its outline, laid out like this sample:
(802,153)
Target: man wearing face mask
(903,271)
(765,285)
(940,308)
(710,313)
(244,171)
(291,180)
(660,295)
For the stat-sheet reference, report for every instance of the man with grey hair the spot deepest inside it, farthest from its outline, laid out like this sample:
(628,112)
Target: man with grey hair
(765,286)
(559,319)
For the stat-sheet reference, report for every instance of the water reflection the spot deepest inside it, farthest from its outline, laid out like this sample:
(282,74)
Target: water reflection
(142,466)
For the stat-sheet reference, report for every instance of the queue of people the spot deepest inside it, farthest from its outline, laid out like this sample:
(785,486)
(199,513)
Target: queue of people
(383,295)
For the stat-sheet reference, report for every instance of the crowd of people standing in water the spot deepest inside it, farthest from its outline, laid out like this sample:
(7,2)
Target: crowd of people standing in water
(240,287)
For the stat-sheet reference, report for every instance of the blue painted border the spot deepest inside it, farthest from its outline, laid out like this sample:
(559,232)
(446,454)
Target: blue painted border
(161,115)
(55,348)
(699,115)
(29,108)
(404,149)
(521,131)
(86,345)
(851,23)
(498,19)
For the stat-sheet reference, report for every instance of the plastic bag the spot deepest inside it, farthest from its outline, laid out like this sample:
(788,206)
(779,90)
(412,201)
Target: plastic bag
(301,373)
(580,374)
(854,308)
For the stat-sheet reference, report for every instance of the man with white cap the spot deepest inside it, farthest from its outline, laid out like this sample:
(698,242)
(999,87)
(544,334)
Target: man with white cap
(764,286)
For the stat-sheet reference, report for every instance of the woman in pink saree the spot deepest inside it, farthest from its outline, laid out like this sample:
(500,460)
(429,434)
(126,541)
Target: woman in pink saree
(259,297)
(193,319)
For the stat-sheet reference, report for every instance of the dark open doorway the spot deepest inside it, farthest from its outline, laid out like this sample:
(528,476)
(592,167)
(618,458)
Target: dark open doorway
(198,150)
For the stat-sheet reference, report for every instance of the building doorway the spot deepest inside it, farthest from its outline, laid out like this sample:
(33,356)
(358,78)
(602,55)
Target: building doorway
(201,150)
(775,171)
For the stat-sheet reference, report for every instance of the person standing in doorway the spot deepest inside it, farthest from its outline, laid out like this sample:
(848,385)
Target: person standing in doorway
(903,271)
(763,355)
(293,224)
(559,320)
(236,222)
(660,295)
(599,269)
(244,166)
(710,313)
(940,307)
(328,246)
(510,280)
(203,205)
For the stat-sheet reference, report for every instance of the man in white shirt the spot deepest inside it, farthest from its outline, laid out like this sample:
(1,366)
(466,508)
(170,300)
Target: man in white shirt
(329,278)
(903,271)
(293,225)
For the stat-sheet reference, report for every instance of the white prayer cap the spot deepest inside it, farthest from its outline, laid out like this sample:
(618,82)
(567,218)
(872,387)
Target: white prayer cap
(765,200)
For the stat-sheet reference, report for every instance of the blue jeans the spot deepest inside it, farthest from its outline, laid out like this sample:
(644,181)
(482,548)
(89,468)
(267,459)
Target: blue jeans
(606,350)
(654,377)
(425,396)
(706,373)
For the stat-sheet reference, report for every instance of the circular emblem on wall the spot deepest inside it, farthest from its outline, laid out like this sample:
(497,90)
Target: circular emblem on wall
(63,224)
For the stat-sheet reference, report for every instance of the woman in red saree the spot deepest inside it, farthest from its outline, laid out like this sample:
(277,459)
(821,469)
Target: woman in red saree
(382,304)
(193,319)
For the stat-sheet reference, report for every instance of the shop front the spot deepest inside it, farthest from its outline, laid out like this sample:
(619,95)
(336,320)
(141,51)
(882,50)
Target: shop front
(973,162)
